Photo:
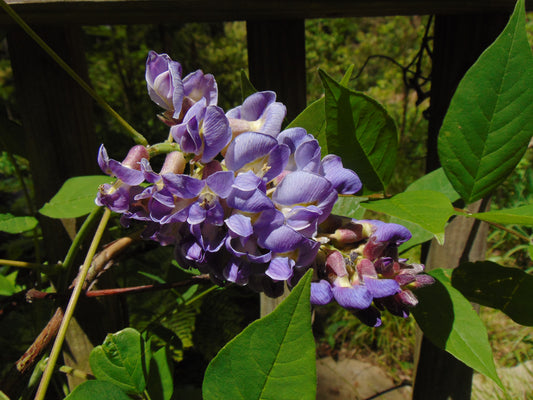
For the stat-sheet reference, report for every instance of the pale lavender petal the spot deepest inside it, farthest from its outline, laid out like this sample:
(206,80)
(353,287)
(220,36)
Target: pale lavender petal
(217,133)
(163,80)
(355,297)
(197,85)
(307,156)
(381,287)
(321,292)
(248,147)
(183,186)
(254,105)
(344,180)
(273,118)
(103,160)
(393,233)
(280,268)
(197,214)
(239,225)
(220,183)
(237,272)
(301,187)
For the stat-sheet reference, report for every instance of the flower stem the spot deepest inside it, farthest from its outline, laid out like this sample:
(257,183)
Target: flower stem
(137,137)
(75,246)
(56,349)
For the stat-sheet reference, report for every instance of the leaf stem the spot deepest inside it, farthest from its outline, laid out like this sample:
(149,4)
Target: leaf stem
(56,349)
(136,136)
(24,264)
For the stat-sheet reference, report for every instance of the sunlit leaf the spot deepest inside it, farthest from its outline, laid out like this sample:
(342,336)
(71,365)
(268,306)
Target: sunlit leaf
(11,224)
(436,181)
(348,206)
(273,358)
(75,198)
(449,322)
(490,119)
(427,209)
(361,132)
(489,284)
(517,216)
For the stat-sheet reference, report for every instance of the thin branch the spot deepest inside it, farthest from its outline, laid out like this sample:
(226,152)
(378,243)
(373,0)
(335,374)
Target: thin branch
(147,288)
(136,136)
(56,349)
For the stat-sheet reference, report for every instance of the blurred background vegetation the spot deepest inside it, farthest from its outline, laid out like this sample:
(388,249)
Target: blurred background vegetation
(392,64)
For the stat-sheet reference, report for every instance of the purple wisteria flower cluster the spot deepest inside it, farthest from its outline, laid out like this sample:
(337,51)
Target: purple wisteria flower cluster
(250,204)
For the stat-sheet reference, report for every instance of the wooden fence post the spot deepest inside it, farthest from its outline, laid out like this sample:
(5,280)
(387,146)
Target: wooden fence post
(276,61)
(458,42)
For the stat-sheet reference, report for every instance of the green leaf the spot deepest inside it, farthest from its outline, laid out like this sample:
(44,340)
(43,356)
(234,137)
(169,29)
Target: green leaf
(427,209)
(361,132)
(97,390)
(490,119)
(160,384)
(348,206)
(247,89)
(489,284)
(6,286)
(436,181)
(448,320)
(273,358)
(518,216)
(75,198)
(11,224)
(121,360)
(313,120)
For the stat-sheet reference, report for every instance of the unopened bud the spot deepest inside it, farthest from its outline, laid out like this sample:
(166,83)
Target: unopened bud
(174,163)
(134,157)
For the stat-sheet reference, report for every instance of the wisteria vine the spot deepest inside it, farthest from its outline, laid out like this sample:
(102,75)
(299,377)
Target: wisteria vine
(250,204)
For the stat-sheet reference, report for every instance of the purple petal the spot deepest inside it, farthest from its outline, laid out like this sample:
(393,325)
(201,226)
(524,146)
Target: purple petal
(381,287)
(183,185)
(103,160)
(254,105)
(355,297)
(217,132)
(344,180)
(128,175)
(237,272)
(197,85)
(307,156)
(280,268)
(321,292)
(240,225)
(248,147)
(273,118)
(220,183)
(163,80)
(197,214)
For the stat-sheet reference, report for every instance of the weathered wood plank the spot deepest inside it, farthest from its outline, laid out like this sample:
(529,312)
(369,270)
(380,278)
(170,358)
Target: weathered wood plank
(166,11)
